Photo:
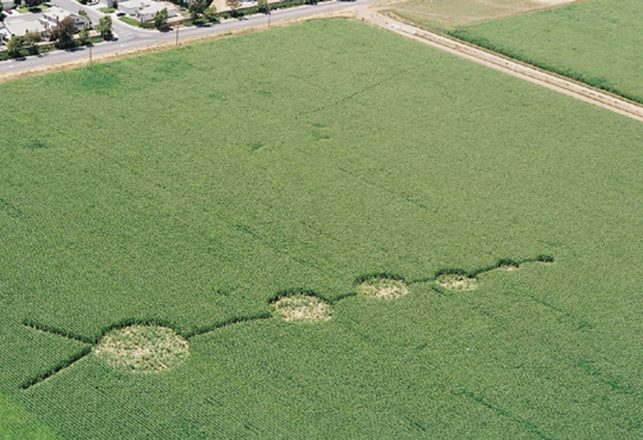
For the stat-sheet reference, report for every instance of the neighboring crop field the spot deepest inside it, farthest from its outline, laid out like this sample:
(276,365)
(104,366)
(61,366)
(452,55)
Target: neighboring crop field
(17,423)
(449,13)
(595,41)
(319,231)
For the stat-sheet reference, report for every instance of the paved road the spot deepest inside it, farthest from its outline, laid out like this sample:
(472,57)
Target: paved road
(131,38)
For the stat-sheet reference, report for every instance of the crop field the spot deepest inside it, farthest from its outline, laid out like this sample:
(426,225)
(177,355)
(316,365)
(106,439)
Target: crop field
(597,42)
(319,231)
(445,14)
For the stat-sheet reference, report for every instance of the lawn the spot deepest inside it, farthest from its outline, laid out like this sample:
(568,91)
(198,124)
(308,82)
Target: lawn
(26,9)
(595,41)
(129,20)
(189,189)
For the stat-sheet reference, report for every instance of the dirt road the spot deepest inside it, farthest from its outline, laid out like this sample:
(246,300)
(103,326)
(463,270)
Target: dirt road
(507,65)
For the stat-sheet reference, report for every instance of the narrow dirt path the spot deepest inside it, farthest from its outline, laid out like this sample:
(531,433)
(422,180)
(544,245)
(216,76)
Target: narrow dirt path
(507,65)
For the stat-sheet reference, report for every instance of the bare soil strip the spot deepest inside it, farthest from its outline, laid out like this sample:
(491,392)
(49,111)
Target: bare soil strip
(507,65)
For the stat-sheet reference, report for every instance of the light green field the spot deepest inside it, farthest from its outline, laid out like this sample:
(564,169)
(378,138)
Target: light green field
(449,13)
(595,41)
(16,423)
(189,187)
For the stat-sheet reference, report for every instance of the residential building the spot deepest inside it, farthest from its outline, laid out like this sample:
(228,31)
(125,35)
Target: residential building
(145,10)
(19,25)
(7,4)
(52,16)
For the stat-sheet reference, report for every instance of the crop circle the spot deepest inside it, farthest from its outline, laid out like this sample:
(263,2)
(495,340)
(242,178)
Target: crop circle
(459,282)
(302,307)
(142,348)
(383,288)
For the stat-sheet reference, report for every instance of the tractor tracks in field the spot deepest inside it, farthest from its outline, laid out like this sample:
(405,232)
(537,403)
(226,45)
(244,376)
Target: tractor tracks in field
(507,65)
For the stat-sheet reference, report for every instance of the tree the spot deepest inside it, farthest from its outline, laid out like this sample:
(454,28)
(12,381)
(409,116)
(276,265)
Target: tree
(85,15)
(262,5)
(210,14)
(104,28)
(198,7)
(33,37)
(233,5)
(32,3)
(160,19)
(14,46)
(83,37)
(30,40)
(64,32)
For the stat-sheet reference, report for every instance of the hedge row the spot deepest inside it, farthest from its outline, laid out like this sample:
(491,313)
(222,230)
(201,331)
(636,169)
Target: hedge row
(599,83)
(272,6)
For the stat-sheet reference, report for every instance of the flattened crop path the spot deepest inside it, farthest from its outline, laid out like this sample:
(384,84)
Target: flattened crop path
(507,65)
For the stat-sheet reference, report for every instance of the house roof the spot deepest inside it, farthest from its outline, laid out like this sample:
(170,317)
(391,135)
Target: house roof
(20,26)
(134,4)
(155,7)
(56,13)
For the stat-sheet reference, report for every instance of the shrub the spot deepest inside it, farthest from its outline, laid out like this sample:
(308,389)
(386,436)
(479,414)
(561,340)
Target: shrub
(64,32)
(211,14)
(14,47)
(262,6)
(30,40)
(599,83)
(160,19)
(104,28)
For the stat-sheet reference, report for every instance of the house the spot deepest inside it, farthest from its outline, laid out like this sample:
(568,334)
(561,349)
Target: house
(19,25)
(7,4)
(131,7)
(5,35)
(148,12)
(52,16)
(145,10)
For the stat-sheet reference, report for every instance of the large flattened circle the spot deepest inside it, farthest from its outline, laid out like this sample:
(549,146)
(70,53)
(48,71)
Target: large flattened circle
(142,348)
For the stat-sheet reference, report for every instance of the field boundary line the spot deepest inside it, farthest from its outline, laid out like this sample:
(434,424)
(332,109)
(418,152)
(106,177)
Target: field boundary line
(508,65)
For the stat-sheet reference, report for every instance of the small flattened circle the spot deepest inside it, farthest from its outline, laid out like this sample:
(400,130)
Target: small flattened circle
(383,288)
(302,307)
(457,282)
